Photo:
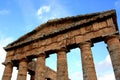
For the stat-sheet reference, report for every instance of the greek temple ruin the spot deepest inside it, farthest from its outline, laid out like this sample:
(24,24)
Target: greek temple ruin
(59,36)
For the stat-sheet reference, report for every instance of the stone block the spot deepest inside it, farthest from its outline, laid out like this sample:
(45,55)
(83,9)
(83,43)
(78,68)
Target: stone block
(79,39)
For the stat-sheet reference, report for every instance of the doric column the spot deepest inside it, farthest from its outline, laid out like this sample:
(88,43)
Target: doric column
(62,68)
(113,45)
(8,71)
(40,67)
(22,69)
(89,72)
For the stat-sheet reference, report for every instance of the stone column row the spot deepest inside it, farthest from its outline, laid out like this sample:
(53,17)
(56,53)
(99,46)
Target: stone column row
(89,72)
(62,70)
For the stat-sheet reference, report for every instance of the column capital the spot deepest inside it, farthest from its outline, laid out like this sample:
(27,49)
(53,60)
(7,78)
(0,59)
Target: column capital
(62,49)
(42,55)
(7,62)
(24,59)
(87,43)
(110,37)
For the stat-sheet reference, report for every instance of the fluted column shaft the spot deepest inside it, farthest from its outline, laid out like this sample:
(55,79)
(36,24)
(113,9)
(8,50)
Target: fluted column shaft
(22,71)
(113,45)
(40,68)
(8,71)
(89,72)
(62,68)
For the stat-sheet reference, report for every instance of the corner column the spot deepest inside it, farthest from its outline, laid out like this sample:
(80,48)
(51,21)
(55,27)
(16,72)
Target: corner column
(62,68)
(89,72)
(40,67)
(23,68)
(8,71)
(113,45)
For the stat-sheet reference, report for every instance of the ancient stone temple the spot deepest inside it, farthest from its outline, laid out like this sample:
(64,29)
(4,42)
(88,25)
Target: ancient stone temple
(58,36)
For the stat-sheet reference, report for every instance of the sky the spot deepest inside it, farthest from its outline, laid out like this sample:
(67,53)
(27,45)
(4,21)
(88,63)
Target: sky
(18,17)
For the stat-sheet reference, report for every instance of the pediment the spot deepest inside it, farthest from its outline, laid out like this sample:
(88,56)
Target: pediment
(55,26)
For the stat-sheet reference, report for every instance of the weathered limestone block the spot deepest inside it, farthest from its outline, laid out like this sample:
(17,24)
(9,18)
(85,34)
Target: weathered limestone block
(110,23)
(26,48)
(22,71)
(99,25)
(88,36)
(8,71)
(89,72)
(88,28)
(102,24)
(70,41)
(113,44)
(43,42)
(52,46)
(62,68)
(98,33)
(49,41)
(82,30)
(10,53)
(79,39)
(62,43)
(9,56)
(35,45)
(60,37)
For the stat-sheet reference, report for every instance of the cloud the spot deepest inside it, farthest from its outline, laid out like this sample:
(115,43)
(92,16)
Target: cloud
(76,76)
(43,13)
(104,69)
(52,10)
(4,12)
(42,10)
(117,4)
(104,65)
(109,76)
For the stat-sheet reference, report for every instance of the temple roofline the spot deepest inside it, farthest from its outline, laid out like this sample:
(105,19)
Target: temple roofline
(87,18)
